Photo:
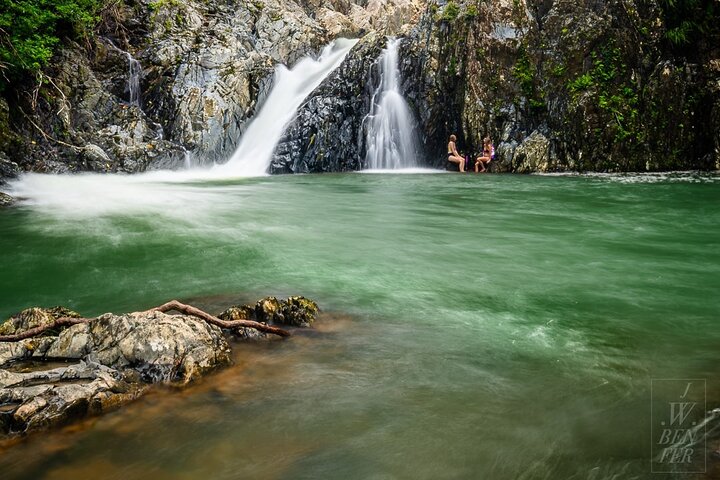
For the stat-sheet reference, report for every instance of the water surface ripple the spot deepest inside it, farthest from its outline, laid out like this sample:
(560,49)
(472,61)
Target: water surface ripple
(476,326)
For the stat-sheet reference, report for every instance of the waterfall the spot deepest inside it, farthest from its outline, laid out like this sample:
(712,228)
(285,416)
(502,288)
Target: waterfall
(290,88)
(391,138)
(134,72)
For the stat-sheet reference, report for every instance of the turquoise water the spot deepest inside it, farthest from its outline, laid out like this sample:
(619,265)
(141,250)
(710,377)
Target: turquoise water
(488,326)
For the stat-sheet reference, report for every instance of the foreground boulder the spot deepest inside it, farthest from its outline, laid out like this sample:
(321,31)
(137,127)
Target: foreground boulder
(118,357)
(112,359)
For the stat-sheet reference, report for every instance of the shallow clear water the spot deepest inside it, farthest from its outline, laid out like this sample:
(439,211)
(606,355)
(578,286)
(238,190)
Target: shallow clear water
(476,326)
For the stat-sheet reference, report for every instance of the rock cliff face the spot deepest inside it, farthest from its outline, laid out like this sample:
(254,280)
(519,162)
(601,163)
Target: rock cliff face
(565,85)
(559,85)
(164,82)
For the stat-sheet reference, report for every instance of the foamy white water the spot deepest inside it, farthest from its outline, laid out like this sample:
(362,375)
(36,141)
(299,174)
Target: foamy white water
(408,171)
(391,138)
(290,88)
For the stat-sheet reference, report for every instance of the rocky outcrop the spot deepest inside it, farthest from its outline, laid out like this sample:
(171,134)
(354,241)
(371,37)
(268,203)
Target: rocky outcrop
(117,355)
(112,359)
(562,85)
(165,82)
(38,400)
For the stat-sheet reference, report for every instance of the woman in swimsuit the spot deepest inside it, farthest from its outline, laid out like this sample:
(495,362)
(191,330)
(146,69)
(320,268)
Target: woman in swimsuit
(486,156)
(453,155)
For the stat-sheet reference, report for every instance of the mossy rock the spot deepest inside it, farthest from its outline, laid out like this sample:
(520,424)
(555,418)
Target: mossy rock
(238,312)
(296,311)
(299,311)
(35,317)
(268,310)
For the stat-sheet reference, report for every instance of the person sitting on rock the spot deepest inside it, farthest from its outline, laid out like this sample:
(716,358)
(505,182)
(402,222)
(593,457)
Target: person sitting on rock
(453,155)
(488,153)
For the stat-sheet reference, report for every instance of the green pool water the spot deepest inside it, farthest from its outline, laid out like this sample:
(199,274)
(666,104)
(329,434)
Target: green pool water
(490,326)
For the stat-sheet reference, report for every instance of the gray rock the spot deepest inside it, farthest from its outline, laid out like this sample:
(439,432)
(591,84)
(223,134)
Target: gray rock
(6,200)
(117,357)
(8,169)
(532,155)
(161,347)
(43,399)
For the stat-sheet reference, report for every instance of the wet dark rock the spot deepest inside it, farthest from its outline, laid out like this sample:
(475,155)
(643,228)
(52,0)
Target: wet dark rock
(299,311)
(564,85)
(111,360)
(327,134)
(8,169)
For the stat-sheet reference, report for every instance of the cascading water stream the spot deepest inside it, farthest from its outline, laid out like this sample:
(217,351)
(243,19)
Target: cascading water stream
(391,139)
(290,88)
(134,74)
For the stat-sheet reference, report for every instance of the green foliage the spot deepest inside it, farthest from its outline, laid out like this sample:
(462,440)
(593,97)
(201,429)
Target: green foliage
(452,67)
(606,79)
(687,20)
(451,12)
(559,70)
(524,72)
(471,12)
(581,83)
(31,29)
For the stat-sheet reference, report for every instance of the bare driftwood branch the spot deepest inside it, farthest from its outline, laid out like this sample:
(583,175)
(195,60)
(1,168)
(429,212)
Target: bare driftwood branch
(34,332)
(228,324)
(164,308)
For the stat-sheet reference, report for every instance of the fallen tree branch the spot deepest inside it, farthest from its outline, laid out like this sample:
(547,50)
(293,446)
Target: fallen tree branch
(228,324)
(34,332)
(164,308)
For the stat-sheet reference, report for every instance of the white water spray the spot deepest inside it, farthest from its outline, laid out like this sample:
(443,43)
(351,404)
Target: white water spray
(391,139)
(290,88)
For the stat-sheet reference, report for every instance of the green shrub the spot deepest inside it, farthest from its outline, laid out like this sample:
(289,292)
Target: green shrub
(687,20)
(471,12)
(451,12)
(31,29)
